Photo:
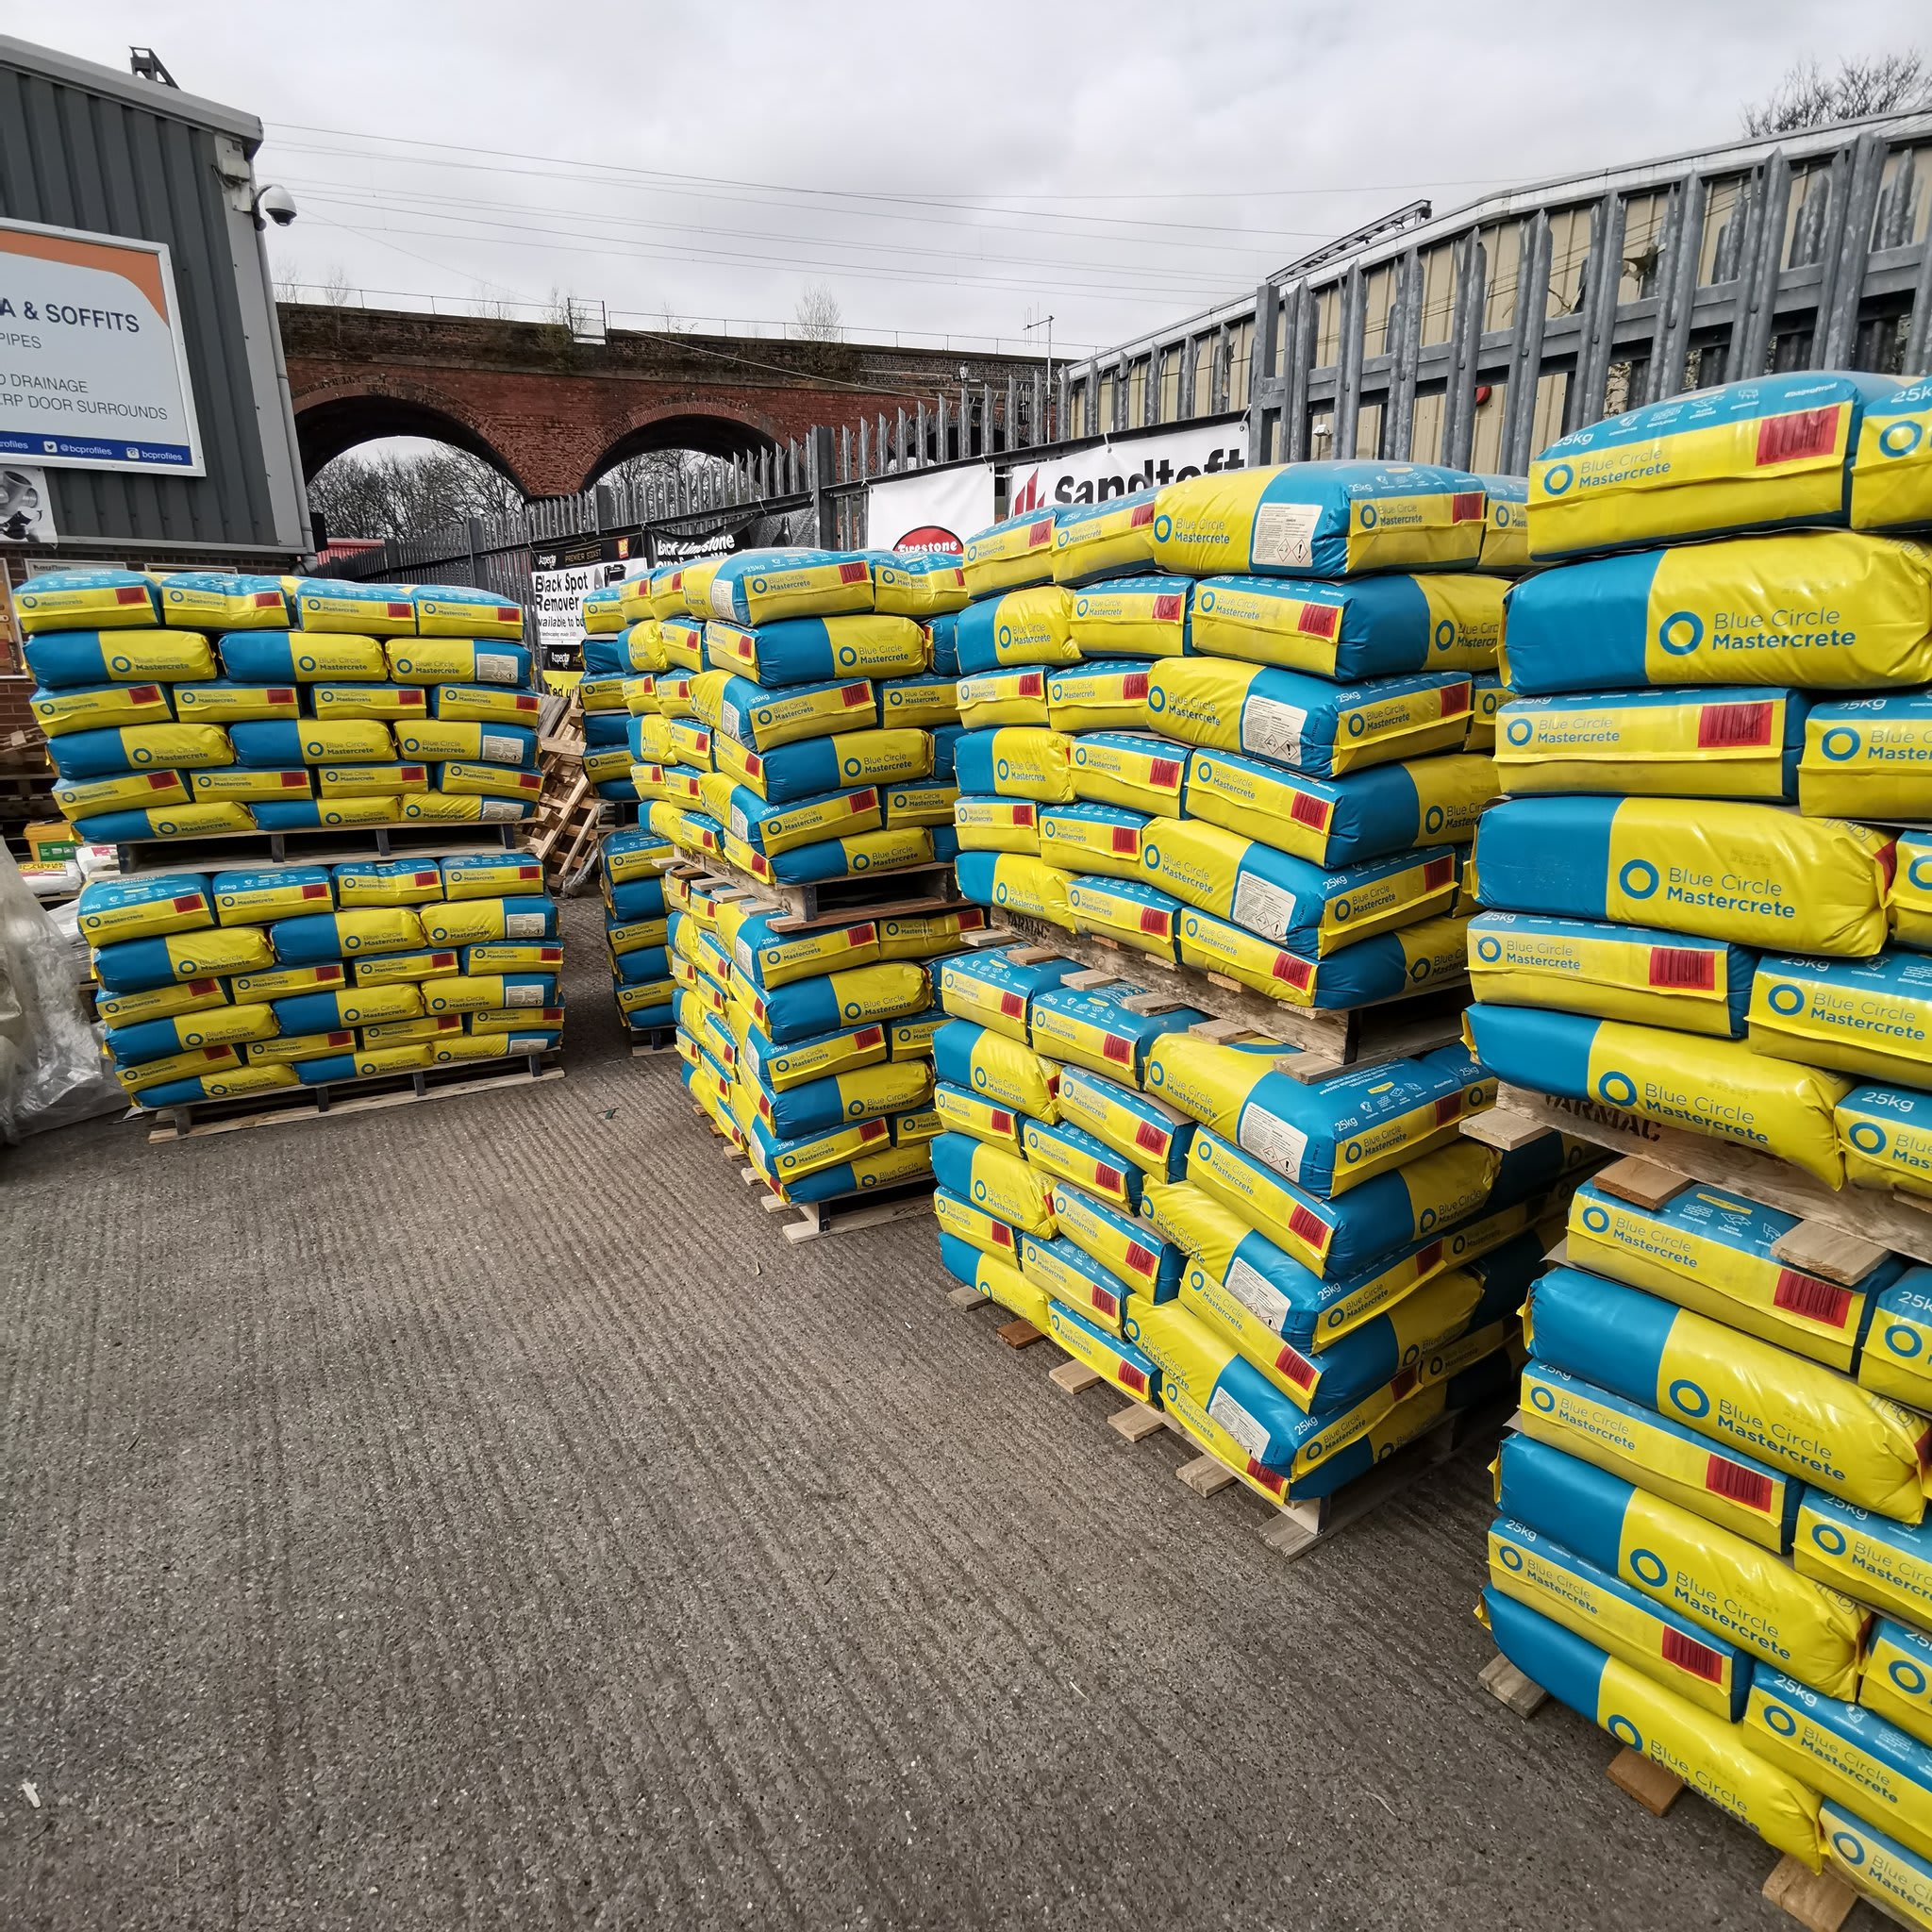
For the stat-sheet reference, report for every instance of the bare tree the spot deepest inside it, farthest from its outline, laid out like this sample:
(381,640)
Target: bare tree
(664,470)
(335,285)
(820,318)
(405,492)
(1809,97)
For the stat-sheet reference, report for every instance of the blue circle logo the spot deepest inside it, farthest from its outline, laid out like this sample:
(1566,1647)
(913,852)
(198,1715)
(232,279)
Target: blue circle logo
(1624,1732)
(1680,633)
(1079,607)
(1620,1089)
(1907,1675)
(1920,872)
(1445,634)
(1685,1395)
(757,584)
(1899,438)
(1519,730)
(1650,1568)
(1150,857)
(1831,1541)
(1420,970)
(1557,478)
(1504,515)
(1203,769)
(1542,1399)
(1353,1153)
(1432,818)
(1005,636)
(1489,951)
(1002,768)
(1848,1848)
(1512,1557)
(1205,601)
(853,767)
(847,655)
(1356,723)
(1637,880)
(1156,699)
(1163,528)
(124,665)
(1778,1719)
(1786,998)
(1839,743)
(1597,1219)
(1080,755)
(1868,1137)
(1903,1341)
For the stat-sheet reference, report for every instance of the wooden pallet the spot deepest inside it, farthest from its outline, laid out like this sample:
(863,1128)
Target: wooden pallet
(647,1040)
(1894,1221)
(1015,1331)
(318,845)
(1819,1900)
(1359,1036)
(847,1213)
(285,1106)
(900,892)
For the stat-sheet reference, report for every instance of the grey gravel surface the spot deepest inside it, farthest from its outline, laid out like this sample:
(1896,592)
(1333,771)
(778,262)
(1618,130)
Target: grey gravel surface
(475,1514)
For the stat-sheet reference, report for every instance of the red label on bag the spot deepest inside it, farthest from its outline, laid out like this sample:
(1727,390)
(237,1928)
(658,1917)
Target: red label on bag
(1002,1235)
(1002,1120)
(1728,1479)
(1296,1367)
(1721,726)
(401,609)
(1699,1659)
(1151,1138)
(145,694)
(1436,873)
(1114,1048)
(1306,1225)
(1681,966)
(1166,609)
(1165,771)
(130,593)
(1141,1260)
(1107,1176)
(1131,1377)
(1142,515)
(159,781)
(263,599)
(1297,972)
(868,1035)
(316,891)
(1306,810)
(1106,1302)
(1032,684)
(1448,1108)
(855,694)
(1319,620)
(1153,920)
(1134,685)
(1040,533)
(1817,1301)
(1469,506)
(1801,434)
(1454,700)
(1023,815)
(1012,1006)
(1273,1484)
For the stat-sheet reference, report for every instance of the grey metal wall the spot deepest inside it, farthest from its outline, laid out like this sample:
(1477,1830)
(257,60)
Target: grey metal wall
(1480,336)
(83,146)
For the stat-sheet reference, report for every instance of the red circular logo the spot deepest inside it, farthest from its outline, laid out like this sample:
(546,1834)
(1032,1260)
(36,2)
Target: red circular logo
(931,537)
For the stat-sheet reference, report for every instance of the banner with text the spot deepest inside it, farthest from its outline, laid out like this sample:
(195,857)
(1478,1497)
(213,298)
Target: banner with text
(929,509)
(1123,464)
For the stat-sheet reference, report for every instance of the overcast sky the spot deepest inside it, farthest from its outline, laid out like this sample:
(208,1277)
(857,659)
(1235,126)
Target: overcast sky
(940,166)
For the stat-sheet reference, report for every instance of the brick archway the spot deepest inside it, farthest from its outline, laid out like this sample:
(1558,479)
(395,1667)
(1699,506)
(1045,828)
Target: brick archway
(675,426)
(339,415)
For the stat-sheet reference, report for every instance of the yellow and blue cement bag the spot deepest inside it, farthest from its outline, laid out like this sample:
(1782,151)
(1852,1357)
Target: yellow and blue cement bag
(85,601)
(601,611)
(1869,758)
(1069,1152)
(999,825)
(1361,628)
(156,1039)
(1656,744)
(1139,1127)
(995,1068)
(1321,520)
(222,601)
(1015,761)
(1132,617)
(682,641)
(1071,1276)
(1009,555)
(1749,872)
(1718,1757)
(1874,1558)
(1114,539)
(1123,1245)
(883,850)
(815,650)
(82,659)
(1309,722)
(1128,768)
(1368,814)
(1535,1569)
(998,1183)
(759,586)
(813,766)
(1120,1363)
(928,699)
(1715,1251)
(143,748)
(816,1106)
(997,1280)
(995,991)
(775,830)
(1506,539)
(975,1226)
(1766,454)
(1013,882)
(1020,627)
(1896,1678)
(777,1068)
(1287,900)
(462,610)
(1016,696)
(375,610)
(1095,1029)
(1131,914)
(1794,1414)
(1487,694)
(1111,696)
(1815,610)
(1897,1357)
(1662,1456)
(1726,1584)
(105,708)
(1892,465)
(917,584)
(807,1008)
(1328,1137)
(1085,838)
(138,909)
(1425,953)
(1638,974)
(963,1111)
(1705,1085)
(1845,1753)
(1886,1134)
(141,965)
(1869,1018)
(1877,1865)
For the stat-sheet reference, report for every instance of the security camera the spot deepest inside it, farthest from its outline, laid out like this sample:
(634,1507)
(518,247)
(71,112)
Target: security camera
(276,204)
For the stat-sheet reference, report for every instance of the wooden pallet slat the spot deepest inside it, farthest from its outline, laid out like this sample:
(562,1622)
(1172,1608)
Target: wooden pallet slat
(319,846)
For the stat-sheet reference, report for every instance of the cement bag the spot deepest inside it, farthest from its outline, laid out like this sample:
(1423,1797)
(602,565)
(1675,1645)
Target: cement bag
(461,610)
(154,1040)
(1535,1571)
(1897,1357)
(222,601)
(996,1280)
(601,610)
(1329,1136)
(137,965)
(107,707)
(1714,1087)
(1015,882)
(344,934)
(1127,768)
(1067,1153)
(140,748)
(945,741)
(143,908)
(762,587)
(1664,1458)
(336,783)
(1722,1758)
(1093,1029)
(1635,973)
(1016,761)
(217,704)
(1366,628)
(786,1160)
(962,1221)
(995,825)
(1334,1238)
(601,694)
(1724,1584)
(1896,1678)
(1132,617)
(1886,1136)
(1875,1558)
(818,765)
(1321,520)
(1892,460)
(1877,1865)
(1795,1414)
(456,661)
(963,1111)
(638,898)
(1111,696)
(1654,744)
(999,1183)
(815,650)
(1141,1129)
(360,1005)
(1114,539)
(280,658)
(84,660)
(1020,627)
(996,1069)
(241,785)
(1487,694)
(884,1168)
(460,993)
(780,1068)
(162,1002)
(682,640)
(163,822)
(769,959)
(279,982)
(819,1106)
(689,743)
(1765,454)
(993,990)
(1137,916)
(1369,814)
(810,1008)
(929,699)
(836,859)
(1869,757)
(1009,555)
(292,1049)
(84,602)
(1119,1244)
(773,829)
(1286,900)
(1748,873)
(917,584)
(478,704)
(930,806)
(382,882)
(219,1086)
(283,743)
(1506,539)
(941,641)
(515,874)
(1117,1362)
(1870,1018)
(1004,697)
(1089,839)
(1378,968)
(1817,609)
(1308,723)
(1846,1754)
(1713,1252)
(471,922)
(1067,1274)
